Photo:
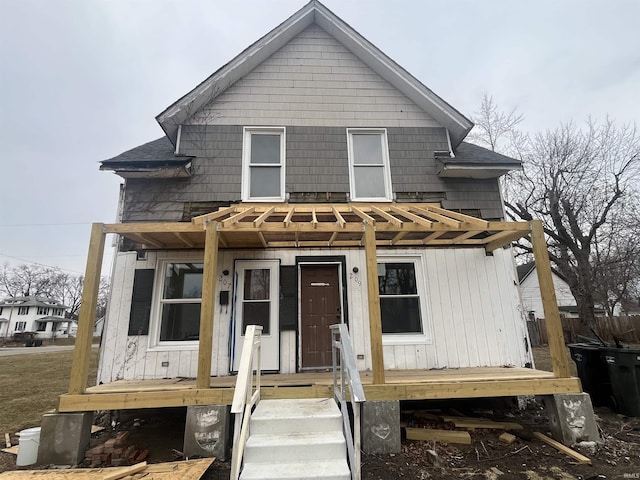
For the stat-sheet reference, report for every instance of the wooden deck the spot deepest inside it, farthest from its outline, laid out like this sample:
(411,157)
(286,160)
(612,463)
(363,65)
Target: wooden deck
(400,385)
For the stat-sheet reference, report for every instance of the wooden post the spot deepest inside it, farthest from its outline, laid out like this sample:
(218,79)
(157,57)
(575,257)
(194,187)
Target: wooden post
(373,294)
(205,343)
(549,302)
(87,314)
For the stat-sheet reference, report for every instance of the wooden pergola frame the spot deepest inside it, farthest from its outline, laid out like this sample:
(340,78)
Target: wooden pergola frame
(313,225)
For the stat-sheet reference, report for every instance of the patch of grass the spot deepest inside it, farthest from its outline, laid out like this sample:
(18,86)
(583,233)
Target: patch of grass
(542,357)
(30,386)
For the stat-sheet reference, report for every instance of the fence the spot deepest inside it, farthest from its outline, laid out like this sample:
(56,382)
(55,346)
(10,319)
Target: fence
(623,328)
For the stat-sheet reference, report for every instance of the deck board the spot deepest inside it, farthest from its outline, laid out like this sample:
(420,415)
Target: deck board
(475,374)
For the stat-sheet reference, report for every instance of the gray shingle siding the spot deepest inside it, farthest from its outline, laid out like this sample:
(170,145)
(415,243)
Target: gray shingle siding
(316,162)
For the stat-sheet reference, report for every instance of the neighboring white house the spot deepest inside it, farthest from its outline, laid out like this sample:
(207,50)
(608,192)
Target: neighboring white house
(41,315)
(530,292)
(97,327)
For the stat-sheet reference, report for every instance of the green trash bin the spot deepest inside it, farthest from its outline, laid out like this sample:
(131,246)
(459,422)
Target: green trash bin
(593,373)
(624,371)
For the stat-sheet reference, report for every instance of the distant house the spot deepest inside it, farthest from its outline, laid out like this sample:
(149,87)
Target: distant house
(530,292)
(41,315)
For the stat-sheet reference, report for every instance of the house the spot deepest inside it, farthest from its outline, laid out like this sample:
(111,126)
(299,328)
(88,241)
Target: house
(40,315)
(530,292)
(312,181)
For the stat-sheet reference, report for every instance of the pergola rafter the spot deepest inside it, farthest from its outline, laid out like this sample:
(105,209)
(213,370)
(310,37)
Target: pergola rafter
(327,225)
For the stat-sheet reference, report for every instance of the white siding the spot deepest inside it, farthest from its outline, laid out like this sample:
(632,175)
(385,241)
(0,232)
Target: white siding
(473,315)
(313,80)
(532,300)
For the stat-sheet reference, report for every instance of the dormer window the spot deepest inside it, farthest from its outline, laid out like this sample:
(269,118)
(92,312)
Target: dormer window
(369,174)
(263,163)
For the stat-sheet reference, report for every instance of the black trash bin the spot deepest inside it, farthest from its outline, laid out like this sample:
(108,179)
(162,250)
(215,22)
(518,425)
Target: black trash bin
(28,342)
(624,371)
(593,373)
(37,342)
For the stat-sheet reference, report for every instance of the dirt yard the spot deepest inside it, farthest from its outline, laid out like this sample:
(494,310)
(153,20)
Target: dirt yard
(617,457)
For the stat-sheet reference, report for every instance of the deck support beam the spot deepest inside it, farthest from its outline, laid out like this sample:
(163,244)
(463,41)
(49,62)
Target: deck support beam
(373,294)
(205,343)
(87,314)
(549,302)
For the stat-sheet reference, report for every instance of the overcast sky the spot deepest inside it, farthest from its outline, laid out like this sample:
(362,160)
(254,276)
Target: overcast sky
(82,80)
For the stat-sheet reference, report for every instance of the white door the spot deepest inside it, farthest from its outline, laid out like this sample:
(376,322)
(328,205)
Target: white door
(256,303)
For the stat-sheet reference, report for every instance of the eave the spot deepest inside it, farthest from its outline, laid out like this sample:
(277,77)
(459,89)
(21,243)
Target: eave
(314,12)
(480,171)
(182,169)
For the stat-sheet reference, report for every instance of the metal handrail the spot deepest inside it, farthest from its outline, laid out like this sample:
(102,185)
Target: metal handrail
(344,366)
(246,395)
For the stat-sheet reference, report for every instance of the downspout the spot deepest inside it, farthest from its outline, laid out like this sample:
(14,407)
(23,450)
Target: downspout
(178,137)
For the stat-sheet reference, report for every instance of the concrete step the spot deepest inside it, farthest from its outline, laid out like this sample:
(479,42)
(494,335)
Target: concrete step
(311,470)
(296,415)
(270,448)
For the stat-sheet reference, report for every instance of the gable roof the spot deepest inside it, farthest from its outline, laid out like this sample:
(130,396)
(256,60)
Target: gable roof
(314,12)
(526,269)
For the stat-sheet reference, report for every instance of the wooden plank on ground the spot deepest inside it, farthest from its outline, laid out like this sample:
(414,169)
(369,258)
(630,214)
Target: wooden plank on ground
(191,469)
(471,422)
(12,450)
(450,436)
(7,440)
(562,448)
(138,467)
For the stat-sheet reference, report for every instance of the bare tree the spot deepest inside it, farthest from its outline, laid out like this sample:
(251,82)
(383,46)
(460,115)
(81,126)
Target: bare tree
(25,280)
(495,129)
(581,183)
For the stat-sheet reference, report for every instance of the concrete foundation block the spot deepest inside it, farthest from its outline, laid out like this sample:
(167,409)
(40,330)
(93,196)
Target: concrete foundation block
(381,427)
(206,432)
(571,418)
(64,438)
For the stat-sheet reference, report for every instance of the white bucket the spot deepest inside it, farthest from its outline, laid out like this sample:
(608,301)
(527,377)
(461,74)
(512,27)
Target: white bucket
(29,443)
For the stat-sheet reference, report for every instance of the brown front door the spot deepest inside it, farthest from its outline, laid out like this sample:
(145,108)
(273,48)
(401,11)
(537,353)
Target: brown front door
(319,308)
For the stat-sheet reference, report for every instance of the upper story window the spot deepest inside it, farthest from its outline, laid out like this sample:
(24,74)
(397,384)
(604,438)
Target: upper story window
(263,163)
(369,173)
(43,311)
(23,310)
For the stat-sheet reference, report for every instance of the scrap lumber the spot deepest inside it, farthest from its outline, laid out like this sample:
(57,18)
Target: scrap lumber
(191,469)
(138,467)
(473,422)
(450,436)
(562,448)
(12,450)
(507,438)
(7,440)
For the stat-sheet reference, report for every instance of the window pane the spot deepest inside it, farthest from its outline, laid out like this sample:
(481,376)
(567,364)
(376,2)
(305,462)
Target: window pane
(265,148)
(367,149)
(256,284)
(180,322)
(369,182)
(256,313)
(265,182)
(183,280)
(397,279)
(400,315)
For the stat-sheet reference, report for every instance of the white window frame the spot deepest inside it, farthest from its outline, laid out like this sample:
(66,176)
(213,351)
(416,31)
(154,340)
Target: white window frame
(382,132)
(156,307)
(21,326)
(248,132)
(425,337)
(23,310)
